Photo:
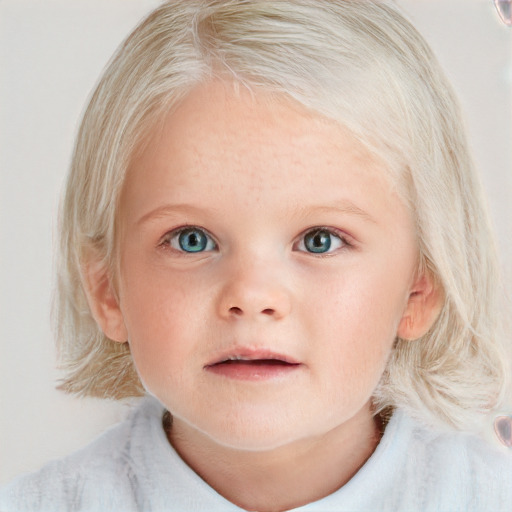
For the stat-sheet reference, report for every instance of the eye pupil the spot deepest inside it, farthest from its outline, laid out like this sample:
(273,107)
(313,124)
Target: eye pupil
(192,240)
(318,241)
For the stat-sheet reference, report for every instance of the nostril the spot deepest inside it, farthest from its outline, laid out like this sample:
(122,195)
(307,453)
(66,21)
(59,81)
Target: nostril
(235,310)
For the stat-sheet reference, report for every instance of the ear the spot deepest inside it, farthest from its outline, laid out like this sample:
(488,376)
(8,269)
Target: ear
(423,308)
(102,298)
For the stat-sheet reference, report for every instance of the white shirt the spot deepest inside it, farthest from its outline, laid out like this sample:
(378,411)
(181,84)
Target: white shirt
(132,467)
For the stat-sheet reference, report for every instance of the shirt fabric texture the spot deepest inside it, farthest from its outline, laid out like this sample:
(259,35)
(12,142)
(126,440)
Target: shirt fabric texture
(132,467)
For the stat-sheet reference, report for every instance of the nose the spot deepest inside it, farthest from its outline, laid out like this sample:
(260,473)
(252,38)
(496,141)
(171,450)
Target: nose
(254,292)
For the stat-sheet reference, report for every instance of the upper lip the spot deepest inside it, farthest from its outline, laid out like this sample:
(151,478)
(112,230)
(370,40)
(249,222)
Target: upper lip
(251,354)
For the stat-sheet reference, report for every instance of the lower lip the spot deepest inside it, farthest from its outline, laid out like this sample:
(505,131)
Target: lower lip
(253,371)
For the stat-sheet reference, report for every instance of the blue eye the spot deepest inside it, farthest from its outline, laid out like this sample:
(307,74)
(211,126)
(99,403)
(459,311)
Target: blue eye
(191,240)
(320,241)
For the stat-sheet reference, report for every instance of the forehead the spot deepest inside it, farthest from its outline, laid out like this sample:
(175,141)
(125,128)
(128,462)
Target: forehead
(258,144)
(223,117)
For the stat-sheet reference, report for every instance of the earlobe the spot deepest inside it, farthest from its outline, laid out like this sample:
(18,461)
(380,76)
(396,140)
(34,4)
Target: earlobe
(102,299)
(423,308)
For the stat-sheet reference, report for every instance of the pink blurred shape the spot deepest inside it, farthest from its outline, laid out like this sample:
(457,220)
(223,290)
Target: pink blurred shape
(504,8)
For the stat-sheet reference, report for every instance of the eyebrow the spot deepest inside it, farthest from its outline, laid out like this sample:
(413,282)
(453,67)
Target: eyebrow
(170,209)
(343,206)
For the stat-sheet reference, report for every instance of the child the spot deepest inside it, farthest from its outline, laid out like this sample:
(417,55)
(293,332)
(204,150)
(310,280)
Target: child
(273,229)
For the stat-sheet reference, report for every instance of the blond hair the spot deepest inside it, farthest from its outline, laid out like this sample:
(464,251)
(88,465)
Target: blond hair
(358,62)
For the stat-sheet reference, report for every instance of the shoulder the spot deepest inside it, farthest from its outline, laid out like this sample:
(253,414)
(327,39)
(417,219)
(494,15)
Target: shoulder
(458,471)
(417,468)
(85,479)
(481,471)
(129,468)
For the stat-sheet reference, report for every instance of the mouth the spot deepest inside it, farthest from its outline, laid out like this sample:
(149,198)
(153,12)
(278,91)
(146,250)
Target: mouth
(253,366)
(258,362)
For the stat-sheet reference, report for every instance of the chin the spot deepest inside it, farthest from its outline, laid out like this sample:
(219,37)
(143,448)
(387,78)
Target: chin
(257,433)
(254,441)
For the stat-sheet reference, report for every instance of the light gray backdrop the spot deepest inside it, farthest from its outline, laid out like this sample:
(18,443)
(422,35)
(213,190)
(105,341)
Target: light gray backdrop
(51,52)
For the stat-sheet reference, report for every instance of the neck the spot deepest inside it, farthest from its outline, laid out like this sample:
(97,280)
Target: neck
(276,480)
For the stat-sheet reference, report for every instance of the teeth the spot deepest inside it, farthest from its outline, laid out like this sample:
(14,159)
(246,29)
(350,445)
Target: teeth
(255,360)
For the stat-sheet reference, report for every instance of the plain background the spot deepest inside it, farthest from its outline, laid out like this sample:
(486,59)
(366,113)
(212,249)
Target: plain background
(51,53)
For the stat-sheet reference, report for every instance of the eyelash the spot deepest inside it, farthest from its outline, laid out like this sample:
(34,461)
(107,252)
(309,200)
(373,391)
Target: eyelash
(344,241)
(171,241)
(168,239)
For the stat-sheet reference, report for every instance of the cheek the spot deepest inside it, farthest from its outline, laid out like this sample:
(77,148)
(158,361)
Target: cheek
(163,317)
(154,298)
(354,320)
(365,304)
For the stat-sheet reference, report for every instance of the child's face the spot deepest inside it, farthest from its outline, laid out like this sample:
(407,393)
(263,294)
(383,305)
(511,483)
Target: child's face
(251,229)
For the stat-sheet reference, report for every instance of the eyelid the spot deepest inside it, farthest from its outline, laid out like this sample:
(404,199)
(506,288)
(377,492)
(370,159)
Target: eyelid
(346,239)
(165,240)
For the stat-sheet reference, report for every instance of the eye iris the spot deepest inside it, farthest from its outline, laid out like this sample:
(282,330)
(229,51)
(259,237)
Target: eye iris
(318,241)
(192,240)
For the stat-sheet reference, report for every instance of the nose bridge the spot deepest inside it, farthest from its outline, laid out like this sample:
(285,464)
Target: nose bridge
(254,287)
